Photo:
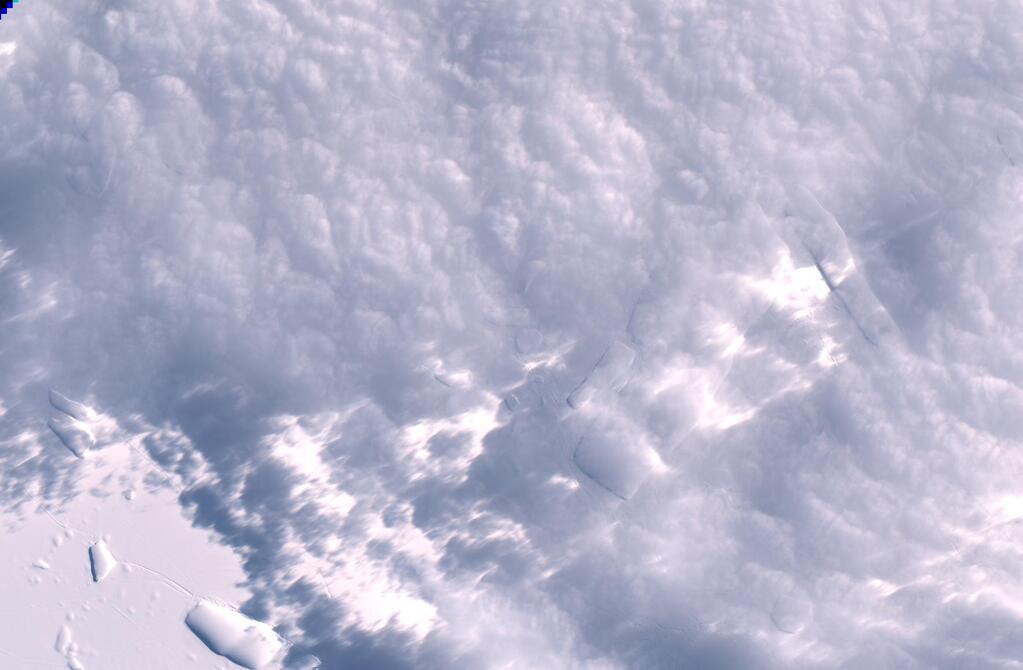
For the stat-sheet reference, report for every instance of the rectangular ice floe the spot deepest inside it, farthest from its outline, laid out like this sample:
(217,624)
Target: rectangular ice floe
(615,454)
(609,372)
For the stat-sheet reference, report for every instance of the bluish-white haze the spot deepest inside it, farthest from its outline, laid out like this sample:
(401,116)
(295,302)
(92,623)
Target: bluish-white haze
(625,334)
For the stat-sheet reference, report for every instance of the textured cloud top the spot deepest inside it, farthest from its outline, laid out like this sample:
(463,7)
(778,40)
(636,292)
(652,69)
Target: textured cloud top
(520,334)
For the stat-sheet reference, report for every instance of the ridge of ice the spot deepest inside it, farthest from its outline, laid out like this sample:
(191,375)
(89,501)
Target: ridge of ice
(67,647)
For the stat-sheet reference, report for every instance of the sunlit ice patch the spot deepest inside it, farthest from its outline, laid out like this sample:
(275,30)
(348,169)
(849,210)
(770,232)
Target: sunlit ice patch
(800,293)
(798,290)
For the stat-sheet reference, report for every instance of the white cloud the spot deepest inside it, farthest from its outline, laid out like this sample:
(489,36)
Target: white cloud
(343,264)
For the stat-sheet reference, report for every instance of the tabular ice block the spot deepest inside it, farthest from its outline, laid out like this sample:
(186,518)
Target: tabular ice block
(618,468)
(72,424)
(609,373)
(75,410)
(73,434)
(101,559)
(813,233)
(231,634)
(613,456)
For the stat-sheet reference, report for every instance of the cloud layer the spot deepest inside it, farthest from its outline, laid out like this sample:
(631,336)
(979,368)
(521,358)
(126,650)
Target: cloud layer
(519,334)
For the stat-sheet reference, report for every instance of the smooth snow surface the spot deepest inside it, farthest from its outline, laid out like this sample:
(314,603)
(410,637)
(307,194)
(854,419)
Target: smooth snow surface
(474,335)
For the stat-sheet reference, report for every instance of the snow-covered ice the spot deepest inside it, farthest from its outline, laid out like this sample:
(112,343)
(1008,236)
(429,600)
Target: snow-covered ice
(147,560)
(609,372)
(251,644)
(101,560)
(68,648)
(71,408)
(71,424)
(74,435)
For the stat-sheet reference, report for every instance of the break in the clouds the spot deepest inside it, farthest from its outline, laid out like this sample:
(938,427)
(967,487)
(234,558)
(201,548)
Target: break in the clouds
(518,334)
